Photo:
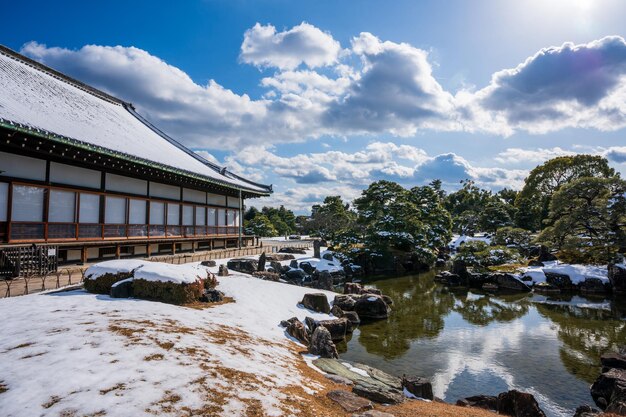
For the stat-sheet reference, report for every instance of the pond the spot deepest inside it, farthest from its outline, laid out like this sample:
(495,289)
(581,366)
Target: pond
(468,343)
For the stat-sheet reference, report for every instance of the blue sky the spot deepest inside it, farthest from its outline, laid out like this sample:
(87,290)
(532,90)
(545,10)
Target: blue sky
(322,97)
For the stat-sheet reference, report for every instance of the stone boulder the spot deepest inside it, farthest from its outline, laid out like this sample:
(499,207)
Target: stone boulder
(296,251)
(279,257)
(325,281)
(349,401)
(261,263)
(345,302)
(209,263)
(222,271)
(507,282)
(212,296)
(316,302)
(336,311)
(450,279)
(518,404)
(535,262)
(372,307)
(306,267)
(609,388)
(378,393)
(420,387)
(247,266)
(266,275)
(352,317)
(593,286)
(122,289)
(322,344)
(352,288)
(560,281)
(295,275)
(336,327)
(586,411)
(295,328)
(617,278)
(613,360)
(488,402)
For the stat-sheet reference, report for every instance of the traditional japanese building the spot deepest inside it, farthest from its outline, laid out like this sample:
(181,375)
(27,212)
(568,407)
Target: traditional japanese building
(82,171)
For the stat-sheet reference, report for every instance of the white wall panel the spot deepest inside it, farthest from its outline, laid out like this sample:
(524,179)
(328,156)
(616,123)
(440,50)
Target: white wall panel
(194,196)
(123,184)
(22,167)
(233,202)
(164,191)
(71,175)
(219,200)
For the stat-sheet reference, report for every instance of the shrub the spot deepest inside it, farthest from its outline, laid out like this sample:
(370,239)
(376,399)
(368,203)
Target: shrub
(480,254)
(506,236)
(103,283)
(168,292)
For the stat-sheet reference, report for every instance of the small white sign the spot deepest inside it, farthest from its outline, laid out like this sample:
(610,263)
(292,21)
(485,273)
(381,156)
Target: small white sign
(52,252)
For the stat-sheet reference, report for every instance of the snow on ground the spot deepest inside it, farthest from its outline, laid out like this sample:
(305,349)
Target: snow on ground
(577,273)
(76,353)
(458,240)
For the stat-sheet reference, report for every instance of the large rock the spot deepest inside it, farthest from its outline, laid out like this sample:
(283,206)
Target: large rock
(337,327)
(278,257)
(586,411)
(322,344)
(316,248)
(316,302)
(545,255)
(349,401)
(593,286)
(352,288)
(325,281)
(420,387)
(610,387)
(613,360)
(210,263)
(488,402)
(352,317)
(507,282)
(261,263)
(295,328)
(295,275)
(344,302)
(336,311)
(518,404)
(378,392)
(288,249)
(617,278)
(212,296)
(371,307)
(247,266)
(561,281)
(266,275)
(222,271)
(122,289)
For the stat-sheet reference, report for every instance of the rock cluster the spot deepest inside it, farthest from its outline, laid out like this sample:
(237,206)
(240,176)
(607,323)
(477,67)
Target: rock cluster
(511,403)
(609,389)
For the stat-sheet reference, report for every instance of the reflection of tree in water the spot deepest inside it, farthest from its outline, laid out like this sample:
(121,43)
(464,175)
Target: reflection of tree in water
(420,306)
(482,310)
(586,334)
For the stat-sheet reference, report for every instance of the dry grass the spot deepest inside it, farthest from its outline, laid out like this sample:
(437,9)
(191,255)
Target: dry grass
(153,357)
(116,387)
(3,387)
(203,306)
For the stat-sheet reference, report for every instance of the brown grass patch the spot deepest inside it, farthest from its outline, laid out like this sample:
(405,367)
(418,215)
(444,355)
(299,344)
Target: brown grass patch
(165,345)
(3,387)
(52,401)
(34,355)
(116,387)
(153,357)
(20,346)
(203,306)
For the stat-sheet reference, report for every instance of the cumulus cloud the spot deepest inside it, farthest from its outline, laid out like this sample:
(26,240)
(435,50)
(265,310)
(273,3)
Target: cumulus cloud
(616,154)
(558,87)
(519,156)
(304,44)
(396,91)
(373,87)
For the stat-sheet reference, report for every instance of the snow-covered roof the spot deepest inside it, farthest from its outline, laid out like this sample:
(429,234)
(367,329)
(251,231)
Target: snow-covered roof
(42,100)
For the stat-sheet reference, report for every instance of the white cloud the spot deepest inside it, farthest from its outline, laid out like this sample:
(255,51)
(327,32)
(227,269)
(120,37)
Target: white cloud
(305,44)
(519,156)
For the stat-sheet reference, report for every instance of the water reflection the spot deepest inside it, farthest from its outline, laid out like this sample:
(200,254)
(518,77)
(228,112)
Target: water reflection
(470,343)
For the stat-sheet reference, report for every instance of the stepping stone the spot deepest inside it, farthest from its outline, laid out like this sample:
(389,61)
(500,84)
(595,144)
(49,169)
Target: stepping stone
(349,401)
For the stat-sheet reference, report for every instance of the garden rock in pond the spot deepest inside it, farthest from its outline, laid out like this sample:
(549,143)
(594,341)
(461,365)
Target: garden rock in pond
(316,302)
(344,302)
(561,281)
(586,411)
(378,392)
(321,344)
(609,388)
(518,404)
(247,266)
(488,402)
(507,282)
(613,360)
(419,387)
(371,307)
(337,327)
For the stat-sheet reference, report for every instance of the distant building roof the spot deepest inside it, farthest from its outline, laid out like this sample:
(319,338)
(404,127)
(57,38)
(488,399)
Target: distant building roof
(42,100)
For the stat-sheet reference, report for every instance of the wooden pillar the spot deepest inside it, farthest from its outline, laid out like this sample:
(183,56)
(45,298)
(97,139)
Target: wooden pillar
(84,254)
(174,248)
(118,253)
(148,248)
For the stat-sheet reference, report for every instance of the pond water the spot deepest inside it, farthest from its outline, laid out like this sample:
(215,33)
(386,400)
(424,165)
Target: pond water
(468,343)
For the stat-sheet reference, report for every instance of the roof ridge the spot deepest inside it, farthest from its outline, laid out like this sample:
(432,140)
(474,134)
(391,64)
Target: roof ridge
(62,77)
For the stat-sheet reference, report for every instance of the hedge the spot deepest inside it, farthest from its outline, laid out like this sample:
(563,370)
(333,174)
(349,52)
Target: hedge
(102,284)
(168,292)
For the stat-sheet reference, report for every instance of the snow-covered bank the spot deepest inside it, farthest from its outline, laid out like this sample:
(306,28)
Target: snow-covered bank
(576,273)
(75,352)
